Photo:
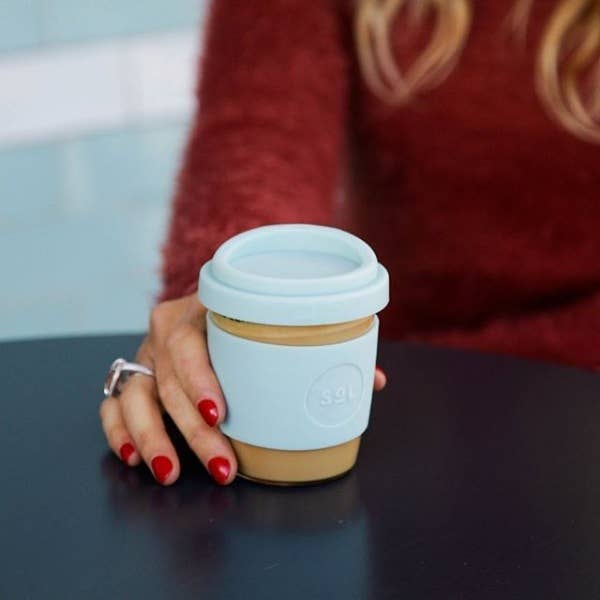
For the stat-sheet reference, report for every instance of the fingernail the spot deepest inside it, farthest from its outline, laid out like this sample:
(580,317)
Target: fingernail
(126,451)
(219,468)
(209,412)
(378,368)
(161,466)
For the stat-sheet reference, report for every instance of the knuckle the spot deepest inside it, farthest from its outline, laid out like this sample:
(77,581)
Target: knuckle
(114,433)
(104,408)
(167,389)
(144,350)
(145,439)
(196,439)
(177,336)
(158,315)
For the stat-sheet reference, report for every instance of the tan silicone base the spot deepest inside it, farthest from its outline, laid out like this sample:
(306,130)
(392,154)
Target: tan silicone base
(294,467)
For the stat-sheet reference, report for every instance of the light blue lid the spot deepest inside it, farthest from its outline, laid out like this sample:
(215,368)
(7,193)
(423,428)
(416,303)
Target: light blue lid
(296,274)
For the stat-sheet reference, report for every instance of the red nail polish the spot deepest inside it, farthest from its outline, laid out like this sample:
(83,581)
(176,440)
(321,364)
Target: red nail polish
(208,410)
(219,468)
(126,451)
(161,466)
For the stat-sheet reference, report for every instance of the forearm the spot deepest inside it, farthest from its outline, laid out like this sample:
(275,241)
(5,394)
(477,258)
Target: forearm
(268,136)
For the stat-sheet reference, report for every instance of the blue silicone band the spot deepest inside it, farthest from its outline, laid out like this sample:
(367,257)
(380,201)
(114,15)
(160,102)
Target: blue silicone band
(294,397)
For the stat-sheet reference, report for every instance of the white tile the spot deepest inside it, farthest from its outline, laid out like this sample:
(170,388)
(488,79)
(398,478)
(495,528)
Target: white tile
(62,92)
(66,92)
(160,74)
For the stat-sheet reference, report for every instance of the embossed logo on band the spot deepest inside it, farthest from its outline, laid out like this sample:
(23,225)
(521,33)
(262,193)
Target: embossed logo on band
(335,396)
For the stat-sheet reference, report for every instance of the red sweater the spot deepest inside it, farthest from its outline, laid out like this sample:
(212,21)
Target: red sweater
(485,212)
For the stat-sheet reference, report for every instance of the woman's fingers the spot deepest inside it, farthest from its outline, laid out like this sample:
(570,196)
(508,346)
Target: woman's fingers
(194,410)
(380,379)
(142,418)
(188,356)
(178,330)
(187,387)
(184,385)
(208,443)
(116,432)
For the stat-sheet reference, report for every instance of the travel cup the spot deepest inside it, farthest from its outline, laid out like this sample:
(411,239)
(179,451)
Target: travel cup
(292,338)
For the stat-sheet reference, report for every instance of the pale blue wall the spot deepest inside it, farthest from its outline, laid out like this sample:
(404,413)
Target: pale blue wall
(82,218)
(31,23)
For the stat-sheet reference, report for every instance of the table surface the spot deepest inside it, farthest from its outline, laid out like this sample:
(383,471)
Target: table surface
(479,477)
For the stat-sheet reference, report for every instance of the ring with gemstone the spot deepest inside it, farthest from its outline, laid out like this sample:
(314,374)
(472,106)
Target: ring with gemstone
(118,374)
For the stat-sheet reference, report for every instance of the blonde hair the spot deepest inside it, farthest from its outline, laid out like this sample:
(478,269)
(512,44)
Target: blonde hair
(568,54)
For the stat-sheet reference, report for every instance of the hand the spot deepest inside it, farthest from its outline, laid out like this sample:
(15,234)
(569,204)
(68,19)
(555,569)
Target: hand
(186,387)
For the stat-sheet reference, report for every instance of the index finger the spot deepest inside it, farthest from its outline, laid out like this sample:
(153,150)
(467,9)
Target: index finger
(191,364)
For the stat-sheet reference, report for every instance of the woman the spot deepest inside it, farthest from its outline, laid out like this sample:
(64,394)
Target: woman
(460,139)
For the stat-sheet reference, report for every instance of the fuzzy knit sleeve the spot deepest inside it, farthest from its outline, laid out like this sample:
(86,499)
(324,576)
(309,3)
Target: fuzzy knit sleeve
(266,141)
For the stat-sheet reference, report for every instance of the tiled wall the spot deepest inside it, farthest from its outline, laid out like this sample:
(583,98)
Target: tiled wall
(95,98)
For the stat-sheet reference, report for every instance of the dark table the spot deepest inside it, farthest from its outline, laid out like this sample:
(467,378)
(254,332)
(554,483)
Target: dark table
(478,478)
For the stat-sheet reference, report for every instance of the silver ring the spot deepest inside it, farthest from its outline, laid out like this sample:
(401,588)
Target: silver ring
(118,374)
